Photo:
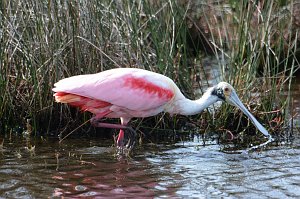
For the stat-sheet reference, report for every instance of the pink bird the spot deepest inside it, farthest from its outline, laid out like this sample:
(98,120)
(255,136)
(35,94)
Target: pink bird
(128,93)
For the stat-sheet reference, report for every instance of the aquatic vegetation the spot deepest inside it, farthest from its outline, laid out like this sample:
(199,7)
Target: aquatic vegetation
(257,49)
(45,41)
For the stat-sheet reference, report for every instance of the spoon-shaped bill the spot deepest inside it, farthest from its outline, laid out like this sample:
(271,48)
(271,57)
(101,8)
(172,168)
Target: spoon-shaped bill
(234,99)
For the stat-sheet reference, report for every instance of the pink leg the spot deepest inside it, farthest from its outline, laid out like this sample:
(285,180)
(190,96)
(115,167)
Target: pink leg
(122,127)
(231,135)
(120,140)
(108,125)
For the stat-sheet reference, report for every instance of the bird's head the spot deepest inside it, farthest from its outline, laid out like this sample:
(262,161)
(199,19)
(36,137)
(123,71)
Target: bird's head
(225,92)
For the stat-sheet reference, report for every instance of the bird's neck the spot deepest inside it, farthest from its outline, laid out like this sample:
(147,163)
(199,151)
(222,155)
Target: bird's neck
(192,107)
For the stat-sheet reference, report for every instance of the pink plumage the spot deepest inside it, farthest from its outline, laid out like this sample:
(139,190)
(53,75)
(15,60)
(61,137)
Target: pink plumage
(127,92)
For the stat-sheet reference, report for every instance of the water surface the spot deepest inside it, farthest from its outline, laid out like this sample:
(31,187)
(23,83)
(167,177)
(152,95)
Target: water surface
(89,167)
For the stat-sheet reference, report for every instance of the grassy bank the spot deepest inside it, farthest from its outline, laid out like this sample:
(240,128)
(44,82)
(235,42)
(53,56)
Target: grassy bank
(45,41)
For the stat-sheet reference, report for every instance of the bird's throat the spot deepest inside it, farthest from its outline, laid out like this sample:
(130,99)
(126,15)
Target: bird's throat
(192,107)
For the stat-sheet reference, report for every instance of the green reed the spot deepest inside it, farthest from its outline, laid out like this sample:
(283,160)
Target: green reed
(45,41)
(257,51)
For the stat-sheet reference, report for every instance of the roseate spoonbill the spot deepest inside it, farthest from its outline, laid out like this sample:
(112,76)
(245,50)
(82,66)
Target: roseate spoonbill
(126,93)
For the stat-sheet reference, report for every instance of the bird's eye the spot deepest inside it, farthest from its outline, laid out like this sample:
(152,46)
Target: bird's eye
(226,89)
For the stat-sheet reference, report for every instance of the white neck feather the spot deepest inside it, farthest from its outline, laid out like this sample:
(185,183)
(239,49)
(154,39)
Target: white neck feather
(186,106)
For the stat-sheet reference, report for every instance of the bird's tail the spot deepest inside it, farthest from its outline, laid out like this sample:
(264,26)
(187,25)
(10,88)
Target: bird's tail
(84,103)
(63,97)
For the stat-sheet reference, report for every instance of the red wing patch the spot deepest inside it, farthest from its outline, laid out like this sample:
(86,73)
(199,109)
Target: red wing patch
(84,103)
(148,87)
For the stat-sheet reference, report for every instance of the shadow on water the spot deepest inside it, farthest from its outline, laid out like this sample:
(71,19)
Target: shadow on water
(88,167)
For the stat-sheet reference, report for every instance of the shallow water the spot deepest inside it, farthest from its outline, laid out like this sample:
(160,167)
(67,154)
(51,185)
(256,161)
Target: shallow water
(88,167)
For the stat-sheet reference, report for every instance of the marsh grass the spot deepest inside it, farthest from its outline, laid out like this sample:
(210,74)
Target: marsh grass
(45,41)
(256,45)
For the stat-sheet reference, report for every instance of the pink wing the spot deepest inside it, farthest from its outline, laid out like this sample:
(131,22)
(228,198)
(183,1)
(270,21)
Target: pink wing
(130,88)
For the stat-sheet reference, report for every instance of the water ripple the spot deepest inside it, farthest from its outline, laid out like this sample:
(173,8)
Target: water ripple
(189,170)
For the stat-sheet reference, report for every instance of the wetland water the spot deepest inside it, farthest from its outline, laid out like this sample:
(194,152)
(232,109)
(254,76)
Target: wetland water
(88,168)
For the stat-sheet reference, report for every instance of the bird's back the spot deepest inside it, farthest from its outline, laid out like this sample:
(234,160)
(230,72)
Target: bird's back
(131,88)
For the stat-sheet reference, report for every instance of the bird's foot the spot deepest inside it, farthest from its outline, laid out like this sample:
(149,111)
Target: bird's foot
(129,137)
(231,136)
